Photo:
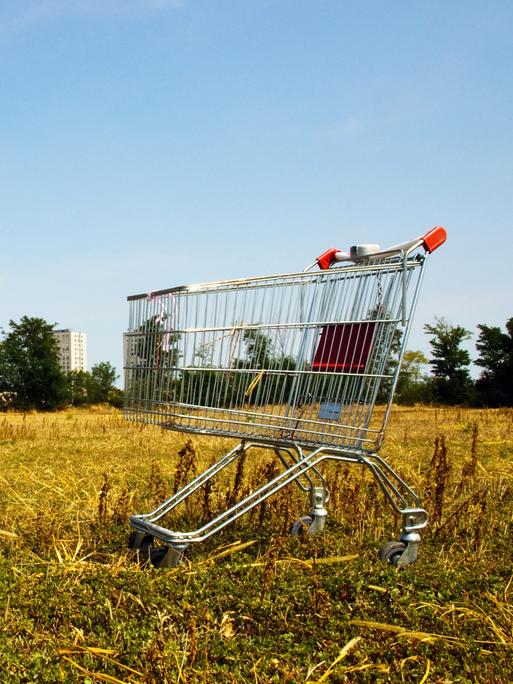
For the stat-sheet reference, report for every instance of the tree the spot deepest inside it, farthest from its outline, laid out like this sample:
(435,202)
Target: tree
(155,346)
(29,365)
(451,378)
(259,376)
(390,366)
(413,386)
(495,385)
(100,384)
(259,349)
(272,383)
(152,359)
(77,385)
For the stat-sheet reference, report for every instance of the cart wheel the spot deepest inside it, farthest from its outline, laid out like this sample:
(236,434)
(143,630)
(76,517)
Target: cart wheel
(141,548)
(150,555)
(156,556)
(392,551)
(133,544)
(300,526)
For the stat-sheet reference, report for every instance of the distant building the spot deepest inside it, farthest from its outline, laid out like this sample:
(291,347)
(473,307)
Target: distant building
(72,350)
(129,346)
(129,357)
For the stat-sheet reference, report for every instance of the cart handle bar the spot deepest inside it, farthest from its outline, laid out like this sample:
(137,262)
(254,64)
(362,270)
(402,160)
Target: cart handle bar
(430,241)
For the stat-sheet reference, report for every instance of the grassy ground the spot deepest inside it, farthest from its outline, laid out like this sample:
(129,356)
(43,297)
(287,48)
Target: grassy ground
(253,605)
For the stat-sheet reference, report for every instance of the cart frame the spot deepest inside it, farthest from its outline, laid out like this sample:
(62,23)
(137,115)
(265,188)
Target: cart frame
(204,359)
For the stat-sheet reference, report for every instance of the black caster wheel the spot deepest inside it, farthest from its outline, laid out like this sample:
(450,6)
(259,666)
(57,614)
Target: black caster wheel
(392,551)
(141,547)
(134,540)
(301,526)
(156,555)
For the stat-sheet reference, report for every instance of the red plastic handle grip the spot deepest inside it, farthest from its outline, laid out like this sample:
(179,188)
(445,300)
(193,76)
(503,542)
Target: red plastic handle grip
(327,258)
(434,238)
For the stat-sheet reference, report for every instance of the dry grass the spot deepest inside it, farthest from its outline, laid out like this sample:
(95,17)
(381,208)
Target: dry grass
(252,605)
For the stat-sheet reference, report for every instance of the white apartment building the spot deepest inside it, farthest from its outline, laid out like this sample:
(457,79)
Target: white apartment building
(72,350)
(129,357)
(129,345)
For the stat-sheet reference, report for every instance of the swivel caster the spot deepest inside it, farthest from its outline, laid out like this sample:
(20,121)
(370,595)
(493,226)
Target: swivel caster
(301,526)
(392,551)
(401,553)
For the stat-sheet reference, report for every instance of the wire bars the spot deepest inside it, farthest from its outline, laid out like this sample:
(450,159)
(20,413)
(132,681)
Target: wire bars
(301,357)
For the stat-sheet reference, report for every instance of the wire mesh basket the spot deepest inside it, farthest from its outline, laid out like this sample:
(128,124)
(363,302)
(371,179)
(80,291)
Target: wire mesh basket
(304,363)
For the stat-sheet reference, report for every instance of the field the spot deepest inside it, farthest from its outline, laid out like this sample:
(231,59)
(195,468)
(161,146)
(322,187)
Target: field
(253,604)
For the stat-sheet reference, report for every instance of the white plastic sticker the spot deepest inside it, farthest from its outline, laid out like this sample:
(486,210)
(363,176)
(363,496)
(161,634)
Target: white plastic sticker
(329,411)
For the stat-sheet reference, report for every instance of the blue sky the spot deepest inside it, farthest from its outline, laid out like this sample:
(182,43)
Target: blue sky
(150,143)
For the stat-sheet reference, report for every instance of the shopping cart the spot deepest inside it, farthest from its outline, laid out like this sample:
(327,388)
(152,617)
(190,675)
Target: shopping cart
(294,363)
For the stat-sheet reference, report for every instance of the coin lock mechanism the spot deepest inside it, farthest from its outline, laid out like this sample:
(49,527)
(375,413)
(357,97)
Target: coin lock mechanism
(362,251)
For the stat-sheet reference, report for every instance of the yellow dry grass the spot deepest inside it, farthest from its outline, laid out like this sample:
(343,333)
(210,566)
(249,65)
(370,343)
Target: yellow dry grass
(70,480)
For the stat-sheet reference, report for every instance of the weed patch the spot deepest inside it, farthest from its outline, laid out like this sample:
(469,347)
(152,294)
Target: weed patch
(253,604)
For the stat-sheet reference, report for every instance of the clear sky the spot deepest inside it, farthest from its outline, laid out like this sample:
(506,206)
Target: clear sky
(152,143)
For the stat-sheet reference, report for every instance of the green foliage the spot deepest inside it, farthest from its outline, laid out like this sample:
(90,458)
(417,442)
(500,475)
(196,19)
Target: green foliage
(260,377)
(413,386)
(273,386)
(156,347)
(77,383)
(115,397)
(495,386)
(259,350)
(451,378)
(96,387)
(29,365)
(31,377)
(100,382)
(151,349)
(390,366)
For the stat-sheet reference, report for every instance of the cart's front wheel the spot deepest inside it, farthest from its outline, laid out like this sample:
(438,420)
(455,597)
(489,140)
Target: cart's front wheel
(392,551)
(301,526)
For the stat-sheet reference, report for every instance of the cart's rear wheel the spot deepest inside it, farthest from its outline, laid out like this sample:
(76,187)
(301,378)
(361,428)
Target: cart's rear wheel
(157,554)
(301,526)
(392,551)
(134,540)
(146,553)
(143,549)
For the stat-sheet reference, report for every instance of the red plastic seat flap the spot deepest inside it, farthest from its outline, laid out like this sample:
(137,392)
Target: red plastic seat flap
(344,347)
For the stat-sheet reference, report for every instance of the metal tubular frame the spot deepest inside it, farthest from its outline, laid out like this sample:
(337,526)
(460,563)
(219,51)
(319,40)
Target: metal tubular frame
(294,363)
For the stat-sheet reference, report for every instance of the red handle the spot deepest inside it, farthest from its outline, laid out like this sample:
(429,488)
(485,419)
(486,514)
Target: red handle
(434,238)
(327,258)
(430,241)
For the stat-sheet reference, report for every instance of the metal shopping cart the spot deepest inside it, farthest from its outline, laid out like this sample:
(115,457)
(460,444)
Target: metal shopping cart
(294,363)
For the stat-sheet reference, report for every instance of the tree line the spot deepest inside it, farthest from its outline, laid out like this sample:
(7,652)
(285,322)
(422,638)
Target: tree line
(450,381)
(31,377)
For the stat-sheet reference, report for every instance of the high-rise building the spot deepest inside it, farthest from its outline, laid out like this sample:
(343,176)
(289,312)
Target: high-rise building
(72,350)
(129,357)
